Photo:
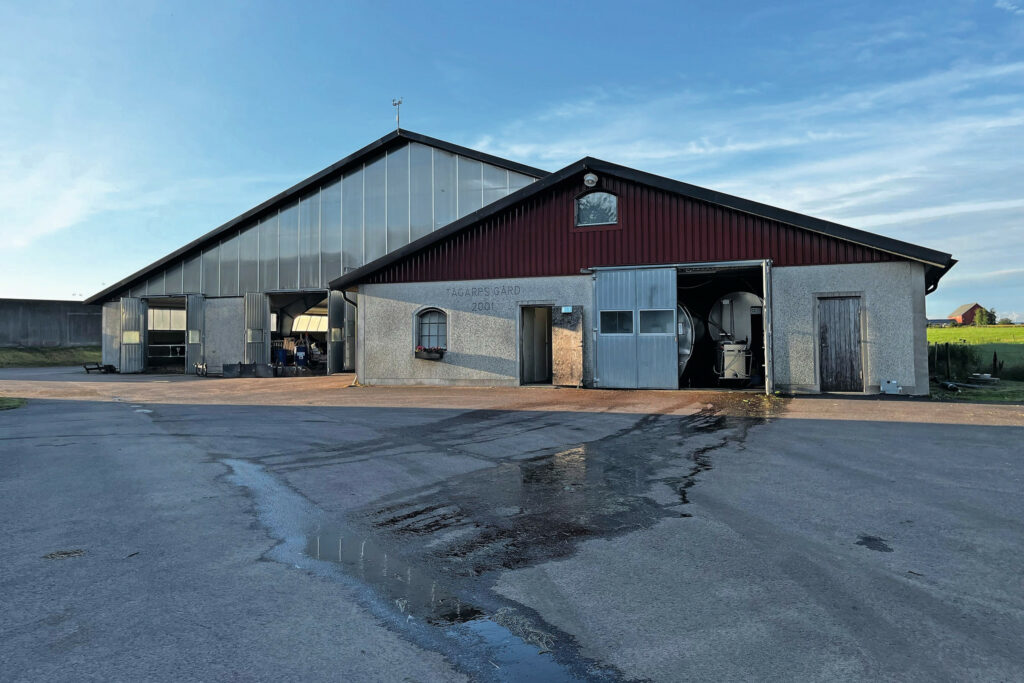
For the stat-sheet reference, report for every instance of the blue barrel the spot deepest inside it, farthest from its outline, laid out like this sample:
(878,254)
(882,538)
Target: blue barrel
(300,354)
(281,356)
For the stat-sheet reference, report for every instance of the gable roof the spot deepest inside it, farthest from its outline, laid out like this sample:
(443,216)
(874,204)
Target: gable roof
(937,263)
(963,309)
(392,139)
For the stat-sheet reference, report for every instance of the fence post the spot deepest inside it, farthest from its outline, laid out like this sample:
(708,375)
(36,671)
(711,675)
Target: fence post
(949,368)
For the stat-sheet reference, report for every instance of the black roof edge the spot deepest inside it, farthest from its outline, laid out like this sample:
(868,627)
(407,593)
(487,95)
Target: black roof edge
(937,262)
(336,168)
(819,225)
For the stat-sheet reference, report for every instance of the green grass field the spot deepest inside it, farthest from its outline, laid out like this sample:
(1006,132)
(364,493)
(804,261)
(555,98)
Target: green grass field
(11,403)
(987,334)
(1005,340)
(42,357)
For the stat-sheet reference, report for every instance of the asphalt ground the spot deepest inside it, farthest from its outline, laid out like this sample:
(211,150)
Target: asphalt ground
(206,529)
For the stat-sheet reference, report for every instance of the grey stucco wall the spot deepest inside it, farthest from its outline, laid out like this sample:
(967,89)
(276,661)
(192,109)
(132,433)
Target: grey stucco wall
(483,328)
(36,322)
(893,322)
(224,332)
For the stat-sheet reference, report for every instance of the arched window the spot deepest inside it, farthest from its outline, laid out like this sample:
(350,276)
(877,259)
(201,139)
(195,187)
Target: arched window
(432,329)
(597,208)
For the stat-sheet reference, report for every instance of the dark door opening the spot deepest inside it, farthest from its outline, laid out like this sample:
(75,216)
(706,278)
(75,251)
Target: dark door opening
(839,352)
(166,334)
(722,344)
(535,345)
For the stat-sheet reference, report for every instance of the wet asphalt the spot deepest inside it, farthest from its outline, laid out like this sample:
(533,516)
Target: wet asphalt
(258,542)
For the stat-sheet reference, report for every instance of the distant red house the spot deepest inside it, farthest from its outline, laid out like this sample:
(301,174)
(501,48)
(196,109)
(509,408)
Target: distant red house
(964,315)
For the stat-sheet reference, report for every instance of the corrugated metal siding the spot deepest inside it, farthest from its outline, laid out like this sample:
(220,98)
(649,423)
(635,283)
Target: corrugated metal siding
(195,320)
(538,238)
(133,321)
(257,328)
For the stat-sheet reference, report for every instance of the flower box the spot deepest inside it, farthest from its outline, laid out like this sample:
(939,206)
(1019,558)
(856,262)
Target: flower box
(429,354)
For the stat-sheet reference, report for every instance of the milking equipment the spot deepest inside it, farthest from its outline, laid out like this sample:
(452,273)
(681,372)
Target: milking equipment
(731,322)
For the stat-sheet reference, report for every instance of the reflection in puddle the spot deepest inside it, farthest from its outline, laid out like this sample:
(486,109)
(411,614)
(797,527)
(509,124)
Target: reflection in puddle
(411,589)
(426,554)
(516,648)
(520,513)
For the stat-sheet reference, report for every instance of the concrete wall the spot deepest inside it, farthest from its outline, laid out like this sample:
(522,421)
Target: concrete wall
(893,322)
(483,328)
(224,332)
(32,322)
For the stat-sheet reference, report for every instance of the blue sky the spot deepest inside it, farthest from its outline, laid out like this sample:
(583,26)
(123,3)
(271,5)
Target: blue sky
(144,125)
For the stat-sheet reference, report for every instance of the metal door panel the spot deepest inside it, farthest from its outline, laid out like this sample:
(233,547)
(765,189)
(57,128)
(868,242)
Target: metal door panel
(112,334)
(195,323)
(335,332)
(615,290)
(351,338)
(766,319)
(656,288)
(657,354)
(257,328)
(133,335)
(657,361)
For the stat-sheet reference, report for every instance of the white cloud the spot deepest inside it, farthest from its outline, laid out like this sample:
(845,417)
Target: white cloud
(986,276)
(929,159)
(1009,7)
(926,212)
(53,191)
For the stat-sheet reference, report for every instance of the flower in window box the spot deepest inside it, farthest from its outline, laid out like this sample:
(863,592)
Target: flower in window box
(430,352)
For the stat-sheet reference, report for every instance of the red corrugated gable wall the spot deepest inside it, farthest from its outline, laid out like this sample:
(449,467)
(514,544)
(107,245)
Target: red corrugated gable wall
(538,238)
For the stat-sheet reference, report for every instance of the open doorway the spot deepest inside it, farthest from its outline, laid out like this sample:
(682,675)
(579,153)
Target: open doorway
(165,334)
(535,345)
(299,331)
(720,313)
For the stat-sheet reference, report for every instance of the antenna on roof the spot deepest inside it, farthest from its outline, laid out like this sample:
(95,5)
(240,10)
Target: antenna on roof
(397,104)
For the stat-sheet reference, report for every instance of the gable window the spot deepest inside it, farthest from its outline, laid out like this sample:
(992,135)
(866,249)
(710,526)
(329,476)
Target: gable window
(597,208)
(432,329)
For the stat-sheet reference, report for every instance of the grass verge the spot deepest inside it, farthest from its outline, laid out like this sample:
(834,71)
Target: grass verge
(11,403)
(38,357)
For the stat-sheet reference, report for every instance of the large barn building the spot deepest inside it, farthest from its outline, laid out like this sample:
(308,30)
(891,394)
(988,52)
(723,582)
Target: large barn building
(415,261)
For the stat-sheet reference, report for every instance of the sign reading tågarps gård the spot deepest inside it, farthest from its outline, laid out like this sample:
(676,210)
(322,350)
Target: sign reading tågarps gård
(485,297)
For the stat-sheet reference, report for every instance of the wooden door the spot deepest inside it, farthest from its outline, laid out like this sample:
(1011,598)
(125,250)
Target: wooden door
(839,351)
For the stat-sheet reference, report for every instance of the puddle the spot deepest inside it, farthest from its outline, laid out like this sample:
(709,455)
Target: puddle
(425,561)
(406,596)
(522,512)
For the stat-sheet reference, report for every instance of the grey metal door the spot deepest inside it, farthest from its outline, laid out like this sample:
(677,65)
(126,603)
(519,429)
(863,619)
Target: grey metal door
(195,319)
(335,332)
(133,335)
(636,328)
(839,351)
(112,333)
(257,328)
(615,350)
(657,346)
